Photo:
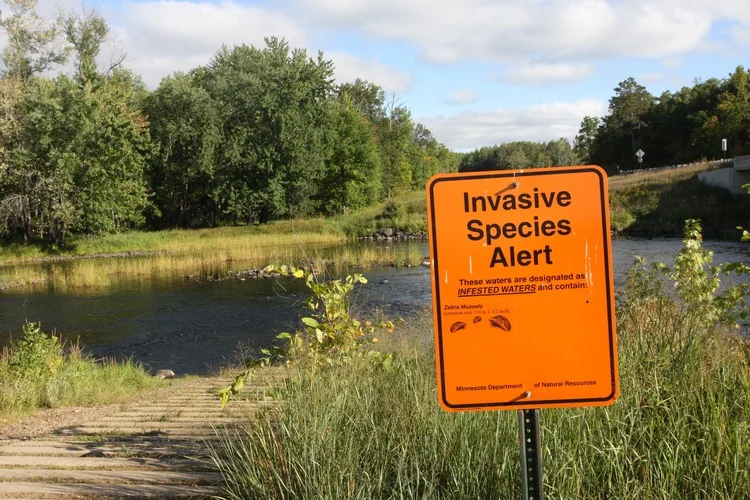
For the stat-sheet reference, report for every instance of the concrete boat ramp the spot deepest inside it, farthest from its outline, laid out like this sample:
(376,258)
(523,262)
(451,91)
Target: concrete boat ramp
(153,449)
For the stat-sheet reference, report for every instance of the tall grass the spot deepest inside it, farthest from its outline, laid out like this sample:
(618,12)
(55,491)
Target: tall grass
(103,261)
(37,371)
(92,275)
(681,428)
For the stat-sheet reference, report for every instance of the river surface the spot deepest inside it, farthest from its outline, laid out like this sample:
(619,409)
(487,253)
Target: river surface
(195,327)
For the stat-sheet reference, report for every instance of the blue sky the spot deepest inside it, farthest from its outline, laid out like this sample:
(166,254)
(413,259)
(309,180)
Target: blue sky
(476,72)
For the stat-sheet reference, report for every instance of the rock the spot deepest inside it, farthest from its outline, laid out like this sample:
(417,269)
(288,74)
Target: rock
(162,374)
(95,454)
(426,262)
(387,232)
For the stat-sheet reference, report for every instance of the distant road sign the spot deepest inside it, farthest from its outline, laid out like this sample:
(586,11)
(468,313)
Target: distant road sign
(523,295)
(640,154)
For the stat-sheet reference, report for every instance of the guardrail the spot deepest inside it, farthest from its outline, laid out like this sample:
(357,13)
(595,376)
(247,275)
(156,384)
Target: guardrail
(712,163)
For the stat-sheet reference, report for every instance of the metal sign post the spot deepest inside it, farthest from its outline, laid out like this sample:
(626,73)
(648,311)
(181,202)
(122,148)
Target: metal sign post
(531,454)
(640,154)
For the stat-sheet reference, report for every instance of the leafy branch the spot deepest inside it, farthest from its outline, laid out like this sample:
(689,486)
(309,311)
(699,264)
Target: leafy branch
(330,335)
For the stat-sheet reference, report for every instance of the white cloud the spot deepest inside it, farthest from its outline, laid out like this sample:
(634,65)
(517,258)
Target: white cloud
(741,34)
(461,97)
(161,37)
(350,67)
(547,74)
(554,30)
(540,122)
(672,62)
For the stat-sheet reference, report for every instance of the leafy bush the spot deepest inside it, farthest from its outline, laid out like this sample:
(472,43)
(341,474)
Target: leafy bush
(36,355)
(394,210)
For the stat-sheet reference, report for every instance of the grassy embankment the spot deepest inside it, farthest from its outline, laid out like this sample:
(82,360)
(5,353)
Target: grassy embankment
(657,204)
(681,428)
(37,371)
(215,251)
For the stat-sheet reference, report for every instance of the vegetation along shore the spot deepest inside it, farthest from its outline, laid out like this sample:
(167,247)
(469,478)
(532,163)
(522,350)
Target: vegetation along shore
(357,416)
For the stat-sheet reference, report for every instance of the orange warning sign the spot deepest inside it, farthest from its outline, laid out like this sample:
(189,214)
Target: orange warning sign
(523,294)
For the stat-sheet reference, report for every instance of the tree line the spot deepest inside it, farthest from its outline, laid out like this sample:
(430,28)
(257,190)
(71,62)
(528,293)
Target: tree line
(255,135)
(518,155)
(674,128)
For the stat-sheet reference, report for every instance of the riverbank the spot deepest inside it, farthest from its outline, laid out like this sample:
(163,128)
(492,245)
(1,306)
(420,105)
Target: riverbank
(215,253)
(404,216)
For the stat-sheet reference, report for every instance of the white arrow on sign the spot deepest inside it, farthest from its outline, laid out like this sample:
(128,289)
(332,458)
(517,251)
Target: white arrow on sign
(640,153)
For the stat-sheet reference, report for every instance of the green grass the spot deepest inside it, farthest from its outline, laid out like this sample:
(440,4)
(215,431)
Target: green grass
(37,371)
(681,428)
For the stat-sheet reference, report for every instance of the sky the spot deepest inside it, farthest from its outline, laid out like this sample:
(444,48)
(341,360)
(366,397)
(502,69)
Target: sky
(475,72)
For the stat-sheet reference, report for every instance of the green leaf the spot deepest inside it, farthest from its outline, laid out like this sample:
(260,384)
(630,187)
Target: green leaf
(311,322)
(239,383)
(388,363)
(269,268)
(299,273)
(284,335)
(224,395)
(319,335)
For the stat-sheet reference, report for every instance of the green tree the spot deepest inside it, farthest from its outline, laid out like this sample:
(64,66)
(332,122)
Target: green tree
(733,111)
(366,97)
(395,137)
(274,117)
(86,33)
(32,43)
(561,153)
(353,174)
(185,125)
(586,138)
(81,157)
(628,111)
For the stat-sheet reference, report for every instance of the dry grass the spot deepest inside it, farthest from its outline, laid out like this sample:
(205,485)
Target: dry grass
(657,177)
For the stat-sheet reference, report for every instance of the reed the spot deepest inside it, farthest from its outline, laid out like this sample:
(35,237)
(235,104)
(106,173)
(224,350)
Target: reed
(94,274)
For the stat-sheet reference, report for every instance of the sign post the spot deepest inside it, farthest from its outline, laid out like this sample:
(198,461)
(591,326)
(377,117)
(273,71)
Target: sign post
(724,147)
(640,154)
(531,454)
(523,295)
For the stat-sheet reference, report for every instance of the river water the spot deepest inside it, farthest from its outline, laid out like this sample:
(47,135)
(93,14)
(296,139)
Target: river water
(195,327)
